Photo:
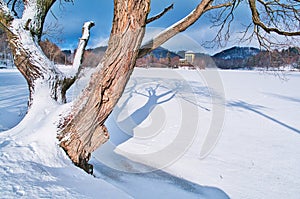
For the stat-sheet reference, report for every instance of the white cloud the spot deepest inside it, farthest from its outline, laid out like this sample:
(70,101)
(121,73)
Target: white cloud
(98,41)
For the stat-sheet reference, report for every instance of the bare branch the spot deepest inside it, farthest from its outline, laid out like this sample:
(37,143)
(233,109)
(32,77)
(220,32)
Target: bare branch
(53,15)
(222,20)
(13,8)
(245,34)
(211,7)
(170,7)
(257,21)
(53,30)
(176,28)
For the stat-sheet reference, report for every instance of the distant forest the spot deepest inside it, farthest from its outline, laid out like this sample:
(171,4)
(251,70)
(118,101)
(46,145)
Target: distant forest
(232,58)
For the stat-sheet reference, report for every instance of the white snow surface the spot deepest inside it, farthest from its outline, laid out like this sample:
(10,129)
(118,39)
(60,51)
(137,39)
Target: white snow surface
(159,129)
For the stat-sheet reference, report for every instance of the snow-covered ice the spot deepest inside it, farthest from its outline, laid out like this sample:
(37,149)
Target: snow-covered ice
(13,98)
(159,130)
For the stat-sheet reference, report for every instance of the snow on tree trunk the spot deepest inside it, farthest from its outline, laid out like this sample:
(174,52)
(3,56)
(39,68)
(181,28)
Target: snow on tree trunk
(23,36)
(33,64)
(83,129)
(78,58)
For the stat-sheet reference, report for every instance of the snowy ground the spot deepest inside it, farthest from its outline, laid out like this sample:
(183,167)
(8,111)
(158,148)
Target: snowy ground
(211,134)
(13,98)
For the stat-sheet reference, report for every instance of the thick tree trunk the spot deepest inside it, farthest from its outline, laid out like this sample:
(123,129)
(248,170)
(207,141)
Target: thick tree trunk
(23,36)
(34,65)
(83,130)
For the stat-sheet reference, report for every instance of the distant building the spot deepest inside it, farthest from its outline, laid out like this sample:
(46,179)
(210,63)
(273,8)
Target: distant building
(190,56)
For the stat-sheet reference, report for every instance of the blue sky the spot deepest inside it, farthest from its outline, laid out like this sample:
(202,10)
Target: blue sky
(72,16)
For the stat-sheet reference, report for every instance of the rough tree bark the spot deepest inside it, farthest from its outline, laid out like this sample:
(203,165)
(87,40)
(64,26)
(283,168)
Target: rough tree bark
(83,130)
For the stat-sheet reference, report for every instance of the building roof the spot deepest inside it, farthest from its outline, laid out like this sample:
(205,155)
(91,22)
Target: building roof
(189,52)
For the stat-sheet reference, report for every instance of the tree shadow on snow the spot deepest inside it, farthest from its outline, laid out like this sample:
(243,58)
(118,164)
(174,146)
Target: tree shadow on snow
(154,184)
(154,92)
(136,179)
(256,109)
(127,125)
(284,97)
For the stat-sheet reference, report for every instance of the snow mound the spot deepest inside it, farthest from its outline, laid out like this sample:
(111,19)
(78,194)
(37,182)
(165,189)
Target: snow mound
(34,166)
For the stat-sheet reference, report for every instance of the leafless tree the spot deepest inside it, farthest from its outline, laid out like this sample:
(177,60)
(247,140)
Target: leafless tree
(82,130)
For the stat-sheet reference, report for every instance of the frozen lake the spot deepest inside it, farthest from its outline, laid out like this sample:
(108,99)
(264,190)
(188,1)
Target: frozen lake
(157,134)
(13,99)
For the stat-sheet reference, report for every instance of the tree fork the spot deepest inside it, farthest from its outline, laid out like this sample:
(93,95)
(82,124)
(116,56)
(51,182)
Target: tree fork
(83,130)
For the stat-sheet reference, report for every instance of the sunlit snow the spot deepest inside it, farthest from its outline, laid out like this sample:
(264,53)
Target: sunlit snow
(159,130)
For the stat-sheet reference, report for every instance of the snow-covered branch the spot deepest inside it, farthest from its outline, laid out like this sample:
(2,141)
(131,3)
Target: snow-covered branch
(36,11)
(226,4)
(176,28)
(5,15)
(81,47)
